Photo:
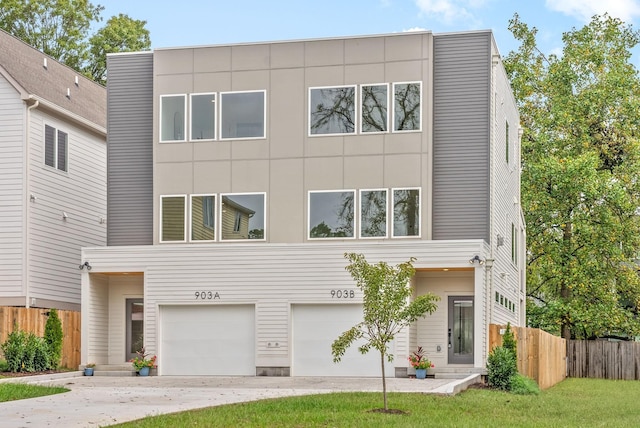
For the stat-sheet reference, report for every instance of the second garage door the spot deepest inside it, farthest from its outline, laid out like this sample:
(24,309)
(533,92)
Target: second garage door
(207,340)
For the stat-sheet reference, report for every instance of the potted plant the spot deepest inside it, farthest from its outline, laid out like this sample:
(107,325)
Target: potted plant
(142,364)
(420,362)
(88,369)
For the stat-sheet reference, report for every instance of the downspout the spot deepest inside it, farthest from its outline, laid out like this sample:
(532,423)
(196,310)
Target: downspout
(27,217)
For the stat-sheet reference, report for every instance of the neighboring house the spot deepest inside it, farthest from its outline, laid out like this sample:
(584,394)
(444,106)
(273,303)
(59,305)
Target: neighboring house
(52,176)
(239,175)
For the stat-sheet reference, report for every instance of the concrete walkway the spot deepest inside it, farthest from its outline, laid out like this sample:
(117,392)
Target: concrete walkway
(102,400)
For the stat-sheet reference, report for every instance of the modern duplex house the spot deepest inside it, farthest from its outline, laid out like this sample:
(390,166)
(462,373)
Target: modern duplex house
(52,176)
(239,175)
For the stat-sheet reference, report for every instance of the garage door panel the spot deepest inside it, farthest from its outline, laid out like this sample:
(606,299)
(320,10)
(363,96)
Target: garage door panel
(208,340)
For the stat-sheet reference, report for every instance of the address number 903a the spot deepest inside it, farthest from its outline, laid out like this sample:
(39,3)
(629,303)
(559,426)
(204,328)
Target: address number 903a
(343,294)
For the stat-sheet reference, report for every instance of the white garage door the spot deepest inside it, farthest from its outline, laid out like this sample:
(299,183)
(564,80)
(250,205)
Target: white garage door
(207,340)
(315,327)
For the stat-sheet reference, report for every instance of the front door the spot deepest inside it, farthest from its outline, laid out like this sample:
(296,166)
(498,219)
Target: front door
(460,330)
(135,327)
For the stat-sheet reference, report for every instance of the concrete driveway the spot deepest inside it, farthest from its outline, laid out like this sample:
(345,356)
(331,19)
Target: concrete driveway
(103,400)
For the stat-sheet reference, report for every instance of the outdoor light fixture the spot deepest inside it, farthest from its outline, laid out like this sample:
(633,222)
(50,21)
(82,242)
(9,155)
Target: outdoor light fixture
(475,259)
(85,265)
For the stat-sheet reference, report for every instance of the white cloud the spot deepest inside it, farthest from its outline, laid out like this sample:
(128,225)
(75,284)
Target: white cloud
(450,11)
(626,10)
(414,29)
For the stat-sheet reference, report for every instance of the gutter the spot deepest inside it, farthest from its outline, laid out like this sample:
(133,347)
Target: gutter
(27,215)
(74,117)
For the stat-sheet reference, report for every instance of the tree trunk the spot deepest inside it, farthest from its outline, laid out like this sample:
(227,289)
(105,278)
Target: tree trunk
(565,292)
(384,382)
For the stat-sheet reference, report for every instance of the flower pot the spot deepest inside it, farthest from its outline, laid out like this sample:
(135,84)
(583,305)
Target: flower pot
(421,373)
(144,371)
(88,371)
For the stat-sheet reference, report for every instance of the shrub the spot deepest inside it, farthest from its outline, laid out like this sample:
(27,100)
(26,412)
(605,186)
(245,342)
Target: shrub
(53,337)
(501,367)
(523,385)
(4,366)
(25,352)
(509,341)
(13,349)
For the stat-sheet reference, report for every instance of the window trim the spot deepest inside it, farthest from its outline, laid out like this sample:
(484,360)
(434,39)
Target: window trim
(355,210)
(392,212)
(355,113)
(190,220)
(185,119)
(393,107)
(184,225)
(361,131)
(264,211)
(56,134)
(215,117)
(220,107)
(359,214)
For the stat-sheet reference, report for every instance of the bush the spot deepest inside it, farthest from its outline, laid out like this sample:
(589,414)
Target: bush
(4,366)
(523,385)
(53,337)
(25,352)
(13,349)
(509,341)
(501,367)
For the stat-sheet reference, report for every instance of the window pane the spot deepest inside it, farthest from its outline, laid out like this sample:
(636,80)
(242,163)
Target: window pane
(172,120)
(406,212)
(243,216)
(374,108)
(406,97)
(242,115)
(202,218)
(331,214)
(49,146)
(173,218)
(373,213)
(203,117)
(332,110)
(62,151)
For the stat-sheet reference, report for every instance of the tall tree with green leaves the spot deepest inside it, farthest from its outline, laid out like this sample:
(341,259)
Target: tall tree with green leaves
(580,183)
(388,306)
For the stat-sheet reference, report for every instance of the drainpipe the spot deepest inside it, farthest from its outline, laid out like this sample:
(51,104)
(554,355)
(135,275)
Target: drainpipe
(27,215)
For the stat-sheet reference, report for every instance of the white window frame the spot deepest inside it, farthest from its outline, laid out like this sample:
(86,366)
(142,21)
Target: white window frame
(184,119)
(56,165)
(215,116)
(220,215)
(360,102)
(359,214)
(392,213)
(355,215)
(215,220)
(355,111)
(186,219)
(393,107)
(220,108)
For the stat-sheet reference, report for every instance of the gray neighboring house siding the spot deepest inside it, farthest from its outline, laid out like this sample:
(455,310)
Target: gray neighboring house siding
(130,149)
(462,73)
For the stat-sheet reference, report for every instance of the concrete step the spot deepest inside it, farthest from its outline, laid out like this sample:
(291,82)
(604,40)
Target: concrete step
(114,373)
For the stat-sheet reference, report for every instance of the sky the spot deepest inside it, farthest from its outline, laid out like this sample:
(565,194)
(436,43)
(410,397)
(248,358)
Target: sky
(210,22)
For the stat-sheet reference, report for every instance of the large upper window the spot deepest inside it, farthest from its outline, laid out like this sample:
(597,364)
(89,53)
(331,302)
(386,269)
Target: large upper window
(331,214)
(406,212)
(374,108)
(173,110)
(407,104)
(332,110)
(203,117)
(55,148)
(373,213)
(243,216)
(203,217)
(242,115)
(172,218)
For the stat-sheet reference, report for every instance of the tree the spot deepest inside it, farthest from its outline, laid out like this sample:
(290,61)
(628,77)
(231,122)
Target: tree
(580,191)
(120,34)
(387,308)
(53,337)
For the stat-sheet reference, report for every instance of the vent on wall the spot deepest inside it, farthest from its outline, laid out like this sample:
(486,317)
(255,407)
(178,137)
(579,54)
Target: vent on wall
(45,63)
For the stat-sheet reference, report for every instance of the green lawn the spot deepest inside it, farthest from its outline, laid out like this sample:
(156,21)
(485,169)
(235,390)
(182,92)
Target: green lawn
(19,391)
(572,403)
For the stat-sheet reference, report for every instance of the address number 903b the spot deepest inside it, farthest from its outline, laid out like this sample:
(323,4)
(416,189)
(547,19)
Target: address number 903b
(343,294)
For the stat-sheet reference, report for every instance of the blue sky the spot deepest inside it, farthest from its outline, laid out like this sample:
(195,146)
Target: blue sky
(192,23)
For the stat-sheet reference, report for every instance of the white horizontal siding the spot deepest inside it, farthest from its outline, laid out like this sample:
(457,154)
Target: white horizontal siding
(12,193)
(98,346)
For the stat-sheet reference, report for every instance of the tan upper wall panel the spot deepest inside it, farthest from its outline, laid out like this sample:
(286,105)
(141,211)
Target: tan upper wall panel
(214,59)
(287,55)
(250,57)
(324,52)
(173,61)
(212,177)
(250,176)
(405,47)
(364,50)
(402,170)
(324,173)
(364,172)
(211,82)
(250,80)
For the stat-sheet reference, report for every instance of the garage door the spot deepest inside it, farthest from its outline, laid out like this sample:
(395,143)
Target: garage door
(315,327)
(207,340)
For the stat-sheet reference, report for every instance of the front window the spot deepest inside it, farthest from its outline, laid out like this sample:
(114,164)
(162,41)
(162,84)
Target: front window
(172,218)
(406,212)
(332,110)
(203,217)
(243,216)
(373,213)
(55,148)
(407,109)
(331,214)
(374,99)
(242,115)
(203,116)
(173,110)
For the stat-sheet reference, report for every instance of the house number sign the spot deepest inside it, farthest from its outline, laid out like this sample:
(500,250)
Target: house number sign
(206,295)
(343,294)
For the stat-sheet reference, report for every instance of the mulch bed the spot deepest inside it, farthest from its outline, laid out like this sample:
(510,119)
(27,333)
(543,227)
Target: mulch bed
(24,374)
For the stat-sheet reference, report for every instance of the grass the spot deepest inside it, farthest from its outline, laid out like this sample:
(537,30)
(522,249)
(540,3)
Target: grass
(572,403)
(20,391)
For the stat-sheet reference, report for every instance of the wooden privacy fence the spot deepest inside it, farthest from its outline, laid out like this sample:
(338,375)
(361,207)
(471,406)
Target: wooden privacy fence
(604,360)
(541,356)
(33,320)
